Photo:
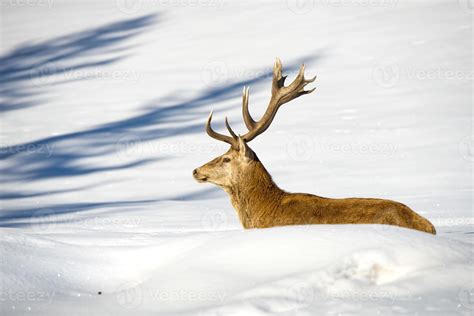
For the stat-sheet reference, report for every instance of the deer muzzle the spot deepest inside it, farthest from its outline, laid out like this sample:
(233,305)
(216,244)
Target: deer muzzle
(199,177)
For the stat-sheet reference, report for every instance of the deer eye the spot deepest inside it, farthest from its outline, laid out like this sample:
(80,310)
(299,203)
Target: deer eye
(226,159)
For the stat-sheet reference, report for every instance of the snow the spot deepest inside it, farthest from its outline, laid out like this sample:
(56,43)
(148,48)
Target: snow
(103,106)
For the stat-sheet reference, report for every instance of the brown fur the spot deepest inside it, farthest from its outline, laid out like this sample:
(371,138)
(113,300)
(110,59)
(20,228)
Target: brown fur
(260,203)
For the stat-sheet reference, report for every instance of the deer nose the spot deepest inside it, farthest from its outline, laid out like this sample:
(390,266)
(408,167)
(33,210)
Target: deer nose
(194,172)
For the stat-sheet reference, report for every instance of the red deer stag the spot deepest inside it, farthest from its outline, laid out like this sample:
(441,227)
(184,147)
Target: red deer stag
(260,203)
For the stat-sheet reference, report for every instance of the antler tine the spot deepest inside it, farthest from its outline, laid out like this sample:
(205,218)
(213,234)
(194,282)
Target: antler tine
(230,140)
(300,82)
(248,120)
(280,96)
(234,136)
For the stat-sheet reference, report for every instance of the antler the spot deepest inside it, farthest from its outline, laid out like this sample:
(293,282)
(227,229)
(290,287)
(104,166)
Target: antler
(280,96)
(233,141)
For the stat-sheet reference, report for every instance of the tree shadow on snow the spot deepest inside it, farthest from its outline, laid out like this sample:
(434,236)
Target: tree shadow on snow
(66,213)
(68,155)
(63,155)
(28,72)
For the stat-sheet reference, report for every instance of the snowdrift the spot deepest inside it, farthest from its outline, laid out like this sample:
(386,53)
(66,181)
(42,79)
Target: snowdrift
(219,269)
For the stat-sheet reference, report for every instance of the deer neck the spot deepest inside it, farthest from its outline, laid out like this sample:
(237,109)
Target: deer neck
(254,195)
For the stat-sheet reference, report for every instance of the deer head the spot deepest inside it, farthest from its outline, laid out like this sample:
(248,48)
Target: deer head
(229,169)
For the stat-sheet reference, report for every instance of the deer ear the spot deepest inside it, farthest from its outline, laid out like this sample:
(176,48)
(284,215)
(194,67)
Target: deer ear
(244,149)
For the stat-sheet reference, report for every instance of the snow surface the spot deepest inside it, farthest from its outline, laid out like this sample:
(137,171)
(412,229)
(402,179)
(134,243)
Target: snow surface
(103,105)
